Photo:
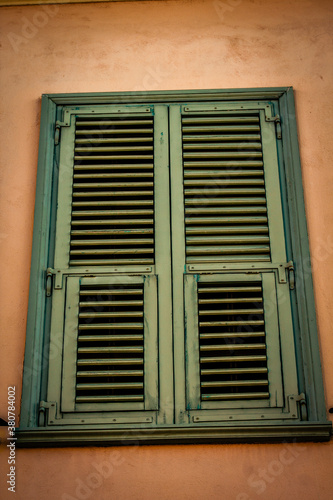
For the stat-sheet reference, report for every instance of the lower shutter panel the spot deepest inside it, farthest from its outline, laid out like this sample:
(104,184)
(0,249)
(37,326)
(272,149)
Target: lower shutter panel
(233,352)
(110,345)
(232,341)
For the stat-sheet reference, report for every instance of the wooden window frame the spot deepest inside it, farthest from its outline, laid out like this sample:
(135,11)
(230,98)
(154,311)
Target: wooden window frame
(314,428)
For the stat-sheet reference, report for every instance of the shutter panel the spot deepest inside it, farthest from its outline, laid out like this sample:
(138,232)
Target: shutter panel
(232,343)
(113,192)
(239,350)
(110,344)
(224,188)
(105,319)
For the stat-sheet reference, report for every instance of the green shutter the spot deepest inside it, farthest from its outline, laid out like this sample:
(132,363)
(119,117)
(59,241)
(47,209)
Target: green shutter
(227,220)
(107,311)
(162,302)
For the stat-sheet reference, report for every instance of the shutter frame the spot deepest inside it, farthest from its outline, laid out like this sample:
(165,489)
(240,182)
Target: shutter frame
(34,386)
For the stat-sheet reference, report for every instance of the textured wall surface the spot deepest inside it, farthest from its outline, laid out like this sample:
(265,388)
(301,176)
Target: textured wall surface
(150,46)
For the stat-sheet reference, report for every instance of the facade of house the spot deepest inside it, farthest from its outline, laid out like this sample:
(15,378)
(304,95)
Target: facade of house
(142,46)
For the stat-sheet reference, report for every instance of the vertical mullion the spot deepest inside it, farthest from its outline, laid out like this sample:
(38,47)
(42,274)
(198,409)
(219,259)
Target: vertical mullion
(63,225)
(163,262)
(56,345)
(178,257)
(150,343)
(288,355)
(273,193)
(68,381)
(272,339)
(192,343)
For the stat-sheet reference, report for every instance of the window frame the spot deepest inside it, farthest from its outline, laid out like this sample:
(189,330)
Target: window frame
(316,428)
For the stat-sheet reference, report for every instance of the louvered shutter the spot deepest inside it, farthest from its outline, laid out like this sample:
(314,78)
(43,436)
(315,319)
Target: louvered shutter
(109,260)
(229,263)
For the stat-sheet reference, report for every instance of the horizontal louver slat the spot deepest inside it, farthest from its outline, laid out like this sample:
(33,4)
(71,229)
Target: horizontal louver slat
(232,341)
(110,344)
(113,192)
(224,188)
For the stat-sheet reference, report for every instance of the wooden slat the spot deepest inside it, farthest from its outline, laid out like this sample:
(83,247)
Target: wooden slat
(122,122)
(245,395)
(108,399)
(117,251)
(110,373)
(220,119)
(111,262)
(109,338)
(101,386)
(91,362)
(108,326)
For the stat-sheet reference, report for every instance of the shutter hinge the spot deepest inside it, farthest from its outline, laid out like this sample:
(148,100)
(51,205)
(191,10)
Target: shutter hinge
(49,280)
(301,401)
(291,276)
(47,413)
(58,127)
(277,121)
(282,269)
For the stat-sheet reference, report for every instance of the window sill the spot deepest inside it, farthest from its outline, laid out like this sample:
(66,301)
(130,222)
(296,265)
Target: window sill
(106,435)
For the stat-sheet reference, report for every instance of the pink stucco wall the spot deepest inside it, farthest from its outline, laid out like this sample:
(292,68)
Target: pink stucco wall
(149,46)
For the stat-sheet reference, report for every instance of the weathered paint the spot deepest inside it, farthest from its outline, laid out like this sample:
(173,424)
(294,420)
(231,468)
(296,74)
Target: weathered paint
(147,46)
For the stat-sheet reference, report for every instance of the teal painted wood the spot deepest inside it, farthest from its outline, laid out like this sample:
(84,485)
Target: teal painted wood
(229,433)
(39,262)
(310,358)
(169,96)
(317,428)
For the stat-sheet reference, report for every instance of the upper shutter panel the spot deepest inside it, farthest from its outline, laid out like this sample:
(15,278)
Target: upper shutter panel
(224,188)
(112,220)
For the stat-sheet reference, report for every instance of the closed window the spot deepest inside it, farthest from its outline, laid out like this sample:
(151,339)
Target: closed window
(171,285)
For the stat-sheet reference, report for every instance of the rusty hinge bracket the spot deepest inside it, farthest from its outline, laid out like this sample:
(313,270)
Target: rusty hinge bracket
(277,121)
(282,271)
(300,401)
(65,123)
(47,413)
(49,280)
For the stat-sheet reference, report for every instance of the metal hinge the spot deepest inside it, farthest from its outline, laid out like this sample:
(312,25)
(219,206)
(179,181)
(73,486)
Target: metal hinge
(277,121)
(301,401)
(282,270)
(59,124)
(49,280)
(47,413)
(57,131)
(291,275)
